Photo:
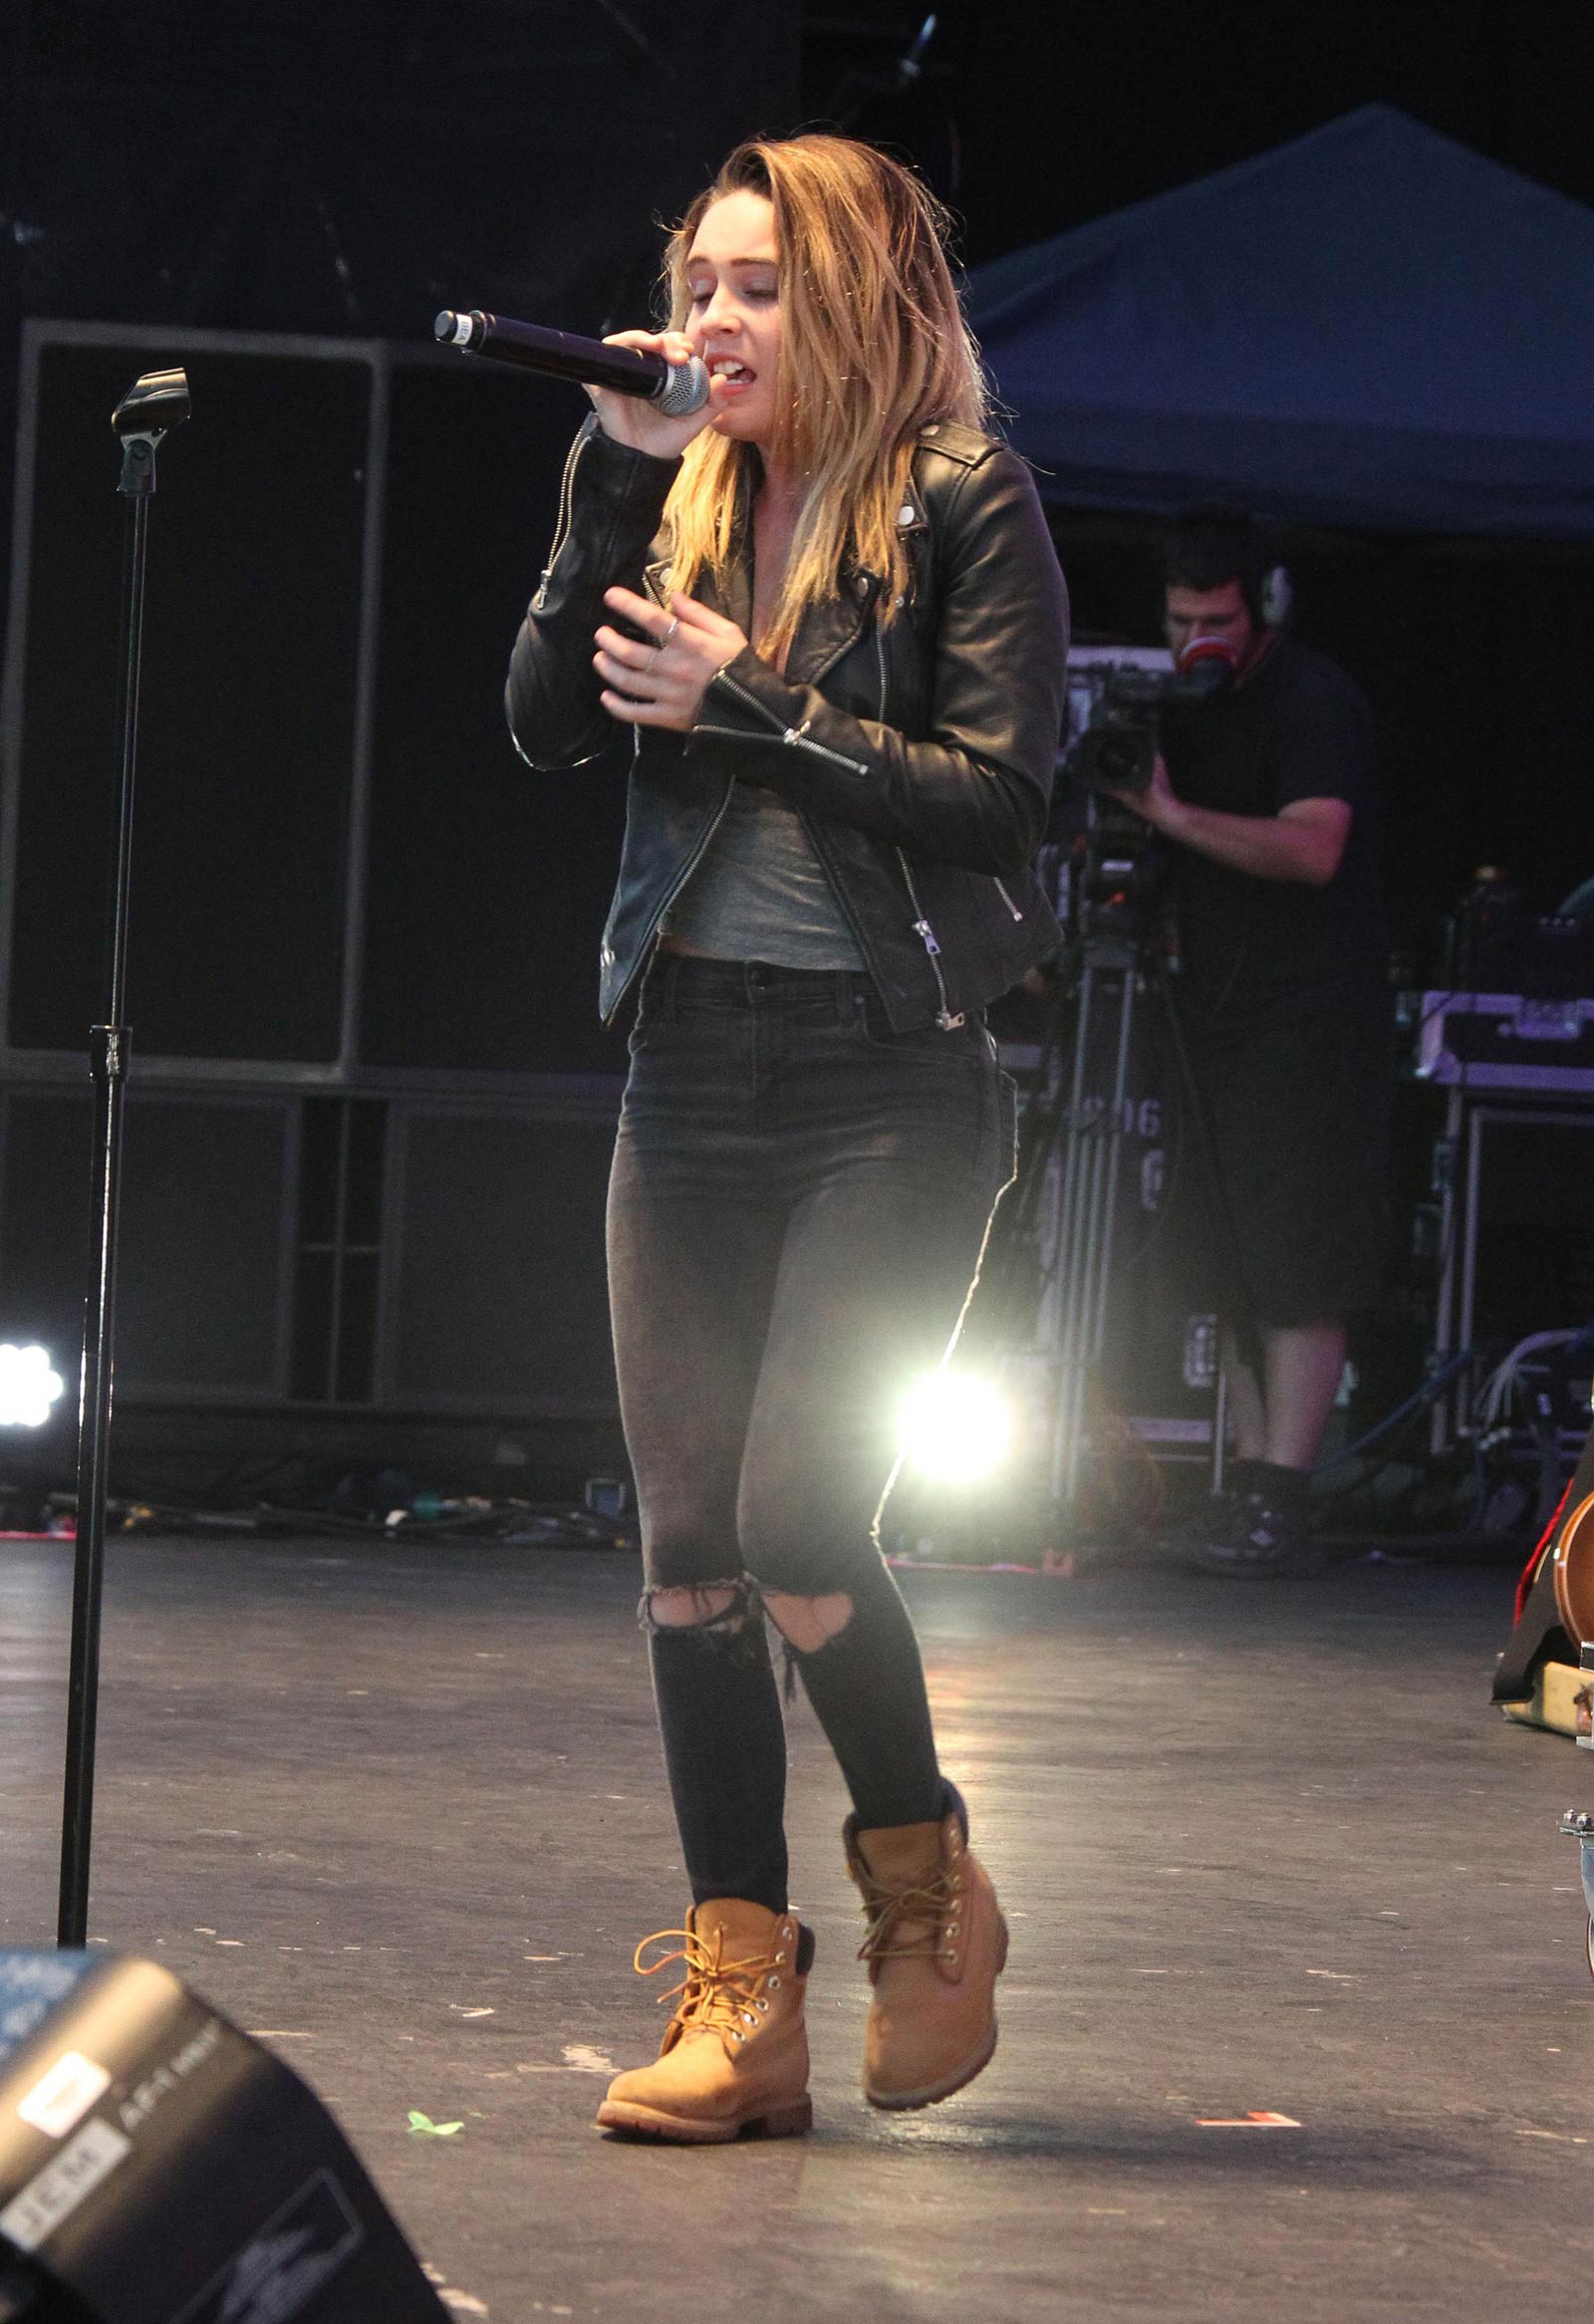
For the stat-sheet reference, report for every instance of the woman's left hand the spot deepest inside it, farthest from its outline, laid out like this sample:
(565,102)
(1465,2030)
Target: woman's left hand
(662,683)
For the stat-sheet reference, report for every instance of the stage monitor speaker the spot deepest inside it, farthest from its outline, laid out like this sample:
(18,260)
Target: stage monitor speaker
(202,1280)
(500,1300)
(157,2167)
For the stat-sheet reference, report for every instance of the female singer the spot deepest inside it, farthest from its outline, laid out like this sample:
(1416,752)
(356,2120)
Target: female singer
(828,607)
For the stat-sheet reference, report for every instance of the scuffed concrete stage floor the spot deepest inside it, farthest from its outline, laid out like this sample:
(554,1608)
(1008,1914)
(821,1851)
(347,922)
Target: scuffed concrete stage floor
(1263,1849)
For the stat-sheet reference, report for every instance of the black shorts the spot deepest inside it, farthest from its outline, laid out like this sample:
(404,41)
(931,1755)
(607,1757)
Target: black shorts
(1297,1120)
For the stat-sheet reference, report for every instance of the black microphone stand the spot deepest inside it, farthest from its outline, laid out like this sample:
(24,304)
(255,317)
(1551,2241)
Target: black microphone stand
(152,404)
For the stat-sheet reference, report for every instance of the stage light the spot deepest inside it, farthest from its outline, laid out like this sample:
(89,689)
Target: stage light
(29,1385)
(955,1427)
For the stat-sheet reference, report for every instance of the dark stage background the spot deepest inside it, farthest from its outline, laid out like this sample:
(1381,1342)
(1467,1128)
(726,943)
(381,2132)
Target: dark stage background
(339,172)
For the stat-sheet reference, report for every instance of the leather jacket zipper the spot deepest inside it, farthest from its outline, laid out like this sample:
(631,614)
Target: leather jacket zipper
(691,866)
(927,936)
(797,736)
(567,486)
(922,928)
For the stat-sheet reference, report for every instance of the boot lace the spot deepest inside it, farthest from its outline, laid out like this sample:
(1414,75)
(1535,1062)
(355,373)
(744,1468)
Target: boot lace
(928,1903)
(717,1996)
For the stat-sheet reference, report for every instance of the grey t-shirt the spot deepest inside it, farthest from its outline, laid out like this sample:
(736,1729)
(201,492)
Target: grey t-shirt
(761,892)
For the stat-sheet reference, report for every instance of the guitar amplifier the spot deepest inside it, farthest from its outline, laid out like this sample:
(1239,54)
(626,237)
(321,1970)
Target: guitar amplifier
(1505,1041)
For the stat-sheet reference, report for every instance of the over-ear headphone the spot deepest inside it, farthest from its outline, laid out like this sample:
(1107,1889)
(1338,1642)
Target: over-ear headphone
(1210,547)
(1273,598)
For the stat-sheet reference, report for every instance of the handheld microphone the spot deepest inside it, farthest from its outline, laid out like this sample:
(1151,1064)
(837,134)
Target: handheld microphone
(1207,666)
(676,388)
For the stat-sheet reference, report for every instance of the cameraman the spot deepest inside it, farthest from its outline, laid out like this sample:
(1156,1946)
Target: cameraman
(1268,798)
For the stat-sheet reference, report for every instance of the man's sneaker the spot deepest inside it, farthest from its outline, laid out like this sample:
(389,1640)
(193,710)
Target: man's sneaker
(1252,1538)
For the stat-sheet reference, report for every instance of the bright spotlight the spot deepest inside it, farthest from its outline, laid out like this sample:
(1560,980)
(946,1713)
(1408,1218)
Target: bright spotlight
(955,1427)
(29,1385)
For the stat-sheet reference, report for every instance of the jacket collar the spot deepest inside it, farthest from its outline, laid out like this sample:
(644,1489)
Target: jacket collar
(831,629)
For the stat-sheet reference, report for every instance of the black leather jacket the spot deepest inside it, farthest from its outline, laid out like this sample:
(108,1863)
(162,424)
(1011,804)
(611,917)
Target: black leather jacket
(919,755)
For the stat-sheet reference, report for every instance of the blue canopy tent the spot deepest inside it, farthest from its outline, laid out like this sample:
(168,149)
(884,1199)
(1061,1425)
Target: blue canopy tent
(1369,326)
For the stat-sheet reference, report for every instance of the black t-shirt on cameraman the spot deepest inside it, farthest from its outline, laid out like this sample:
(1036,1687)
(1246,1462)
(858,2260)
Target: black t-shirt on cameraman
(1265,952)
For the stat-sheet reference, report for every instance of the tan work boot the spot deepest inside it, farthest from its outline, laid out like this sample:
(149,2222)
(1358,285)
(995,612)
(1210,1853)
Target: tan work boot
(735,2054)
(935,1947)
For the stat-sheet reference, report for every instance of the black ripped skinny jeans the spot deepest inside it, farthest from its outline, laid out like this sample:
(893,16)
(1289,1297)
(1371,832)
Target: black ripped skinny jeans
(796,1213)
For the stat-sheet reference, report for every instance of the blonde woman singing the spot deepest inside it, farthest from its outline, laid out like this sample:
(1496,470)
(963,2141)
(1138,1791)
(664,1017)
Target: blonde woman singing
(828,607)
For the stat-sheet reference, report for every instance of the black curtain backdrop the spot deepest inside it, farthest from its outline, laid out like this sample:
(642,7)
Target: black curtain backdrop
(350,167)
(335,167)
(1093,108)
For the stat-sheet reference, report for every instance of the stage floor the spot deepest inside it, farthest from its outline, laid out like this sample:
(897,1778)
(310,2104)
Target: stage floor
(1264,1850)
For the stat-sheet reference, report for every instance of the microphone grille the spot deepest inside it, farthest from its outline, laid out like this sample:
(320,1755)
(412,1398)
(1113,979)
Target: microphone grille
(685,391)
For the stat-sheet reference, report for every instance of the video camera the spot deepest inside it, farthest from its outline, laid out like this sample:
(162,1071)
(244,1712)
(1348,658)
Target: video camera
(1122,733)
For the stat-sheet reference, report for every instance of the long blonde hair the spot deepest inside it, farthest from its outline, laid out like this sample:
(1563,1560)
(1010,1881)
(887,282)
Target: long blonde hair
(873,346)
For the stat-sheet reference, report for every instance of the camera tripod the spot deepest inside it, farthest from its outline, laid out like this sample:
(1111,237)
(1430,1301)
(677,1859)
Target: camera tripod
(1064,1232)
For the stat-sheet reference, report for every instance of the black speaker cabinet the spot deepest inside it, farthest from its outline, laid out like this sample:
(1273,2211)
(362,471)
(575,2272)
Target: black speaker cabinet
(203,1281)
(497,1296)
(339,859)
(249,700)
(158,2167)
(1518,1242)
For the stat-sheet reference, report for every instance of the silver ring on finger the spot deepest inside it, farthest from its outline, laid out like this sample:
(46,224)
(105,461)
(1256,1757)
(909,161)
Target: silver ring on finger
(660,643)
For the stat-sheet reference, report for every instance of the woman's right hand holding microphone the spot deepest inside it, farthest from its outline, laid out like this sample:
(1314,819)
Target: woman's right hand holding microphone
(632,419)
